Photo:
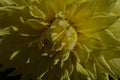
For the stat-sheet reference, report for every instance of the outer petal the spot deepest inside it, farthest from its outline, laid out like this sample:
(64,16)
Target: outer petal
(104,5)
(115,29)
(81,52)
(109,38)
(78,12)
(37,24)
(37,13)
(5,31)
(116,9)
(7,2)
(97,23)
(88,70)
(84,11)
(110,53)
(67,70)
(115,65)
(104,65)
(93,43)
(101,75)
(44,8)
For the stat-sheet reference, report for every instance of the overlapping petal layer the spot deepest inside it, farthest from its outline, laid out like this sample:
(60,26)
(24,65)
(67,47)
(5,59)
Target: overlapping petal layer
(79,38)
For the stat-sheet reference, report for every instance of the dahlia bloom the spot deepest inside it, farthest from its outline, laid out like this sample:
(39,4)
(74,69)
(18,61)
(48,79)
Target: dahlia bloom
(61,39)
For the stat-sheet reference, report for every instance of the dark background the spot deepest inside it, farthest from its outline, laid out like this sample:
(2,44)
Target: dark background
(4,75)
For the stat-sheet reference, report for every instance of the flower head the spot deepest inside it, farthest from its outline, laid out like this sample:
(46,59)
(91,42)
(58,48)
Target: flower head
(75,35)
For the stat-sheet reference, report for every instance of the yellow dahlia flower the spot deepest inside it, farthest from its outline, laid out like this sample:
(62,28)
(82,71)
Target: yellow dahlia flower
(61,39)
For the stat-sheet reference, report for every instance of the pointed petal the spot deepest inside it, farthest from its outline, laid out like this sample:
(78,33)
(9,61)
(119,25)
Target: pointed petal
(81,69)
(62,55)
(84,11)
(93,43)
(115,65)
(37,24)
(78,12)
(91,68)
(116,9)
(7,2)
(103,65)
(101,75)
(5,31)
(81,52)
(97,23)
(36,12)
(47,7)
(110,53)
(67,70)
(109,38)
(115,29)
(104,5)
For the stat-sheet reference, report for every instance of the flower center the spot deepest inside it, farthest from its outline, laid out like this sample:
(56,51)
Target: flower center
(63,23)
(61,14)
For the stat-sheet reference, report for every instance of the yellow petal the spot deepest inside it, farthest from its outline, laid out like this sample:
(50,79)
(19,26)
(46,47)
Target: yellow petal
(60,7)
(110,53)
(56,29)
(85,10)
(47,7)
(109,38)
(81,69)
(93,43)
(104,5)
(103,65)
(116,9)
(36,12)
(5,31)
(101,75)
(81,52)
(37,24)
(116,29)
(115,65)
(97,23)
